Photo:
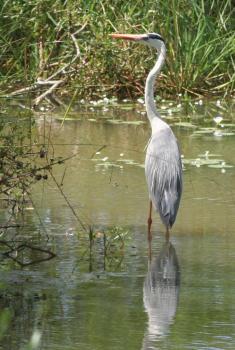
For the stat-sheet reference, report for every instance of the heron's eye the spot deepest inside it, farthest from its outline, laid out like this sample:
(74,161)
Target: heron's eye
(146,38)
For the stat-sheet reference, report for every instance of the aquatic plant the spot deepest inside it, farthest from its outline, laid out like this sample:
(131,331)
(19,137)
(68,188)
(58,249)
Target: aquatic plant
(49,45)
(106,247)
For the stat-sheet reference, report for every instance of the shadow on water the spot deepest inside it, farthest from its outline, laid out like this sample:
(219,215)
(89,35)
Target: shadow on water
(161,294)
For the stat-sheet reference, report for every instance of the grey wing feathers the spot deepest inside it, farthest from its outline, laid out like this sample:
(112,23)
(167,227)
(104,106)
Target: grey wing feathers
(163,171)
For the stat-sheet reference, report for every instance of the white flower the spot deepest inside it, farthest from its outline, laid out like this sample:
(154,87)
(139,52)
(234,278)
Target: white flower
(140,100)
(218,119)
(218,133)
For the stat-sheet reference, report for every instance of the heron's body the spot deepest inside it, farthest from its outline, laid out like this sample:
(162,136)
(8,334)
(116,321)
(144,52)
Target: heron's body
(163,173)
(163,167)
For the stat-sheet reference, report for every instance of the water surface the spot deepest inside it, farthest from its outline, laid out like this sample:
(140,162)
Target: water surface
(184,298)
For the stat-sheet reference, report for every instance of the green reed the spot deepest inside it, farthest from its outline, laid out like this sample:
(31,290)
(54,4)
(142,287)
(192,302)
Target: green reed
(35,42)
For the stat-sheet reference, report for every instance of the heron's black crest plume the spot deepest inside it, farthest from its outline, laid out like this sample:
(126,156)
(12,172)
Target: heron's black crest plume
(155,36)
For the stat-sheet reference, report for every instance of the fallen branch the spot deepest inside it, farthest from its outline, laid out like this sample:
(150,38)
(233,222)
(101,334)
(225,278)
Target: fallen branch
(14,251)
(47,92)
(23,90)
(9,226)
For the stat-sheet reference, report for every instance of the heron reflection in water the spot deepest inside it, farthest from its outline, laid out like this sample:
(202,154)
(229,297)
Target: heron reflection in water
(161,293)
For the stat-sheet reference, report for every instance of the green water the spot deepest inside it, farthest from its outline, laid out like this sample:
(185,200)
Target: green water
(185,298)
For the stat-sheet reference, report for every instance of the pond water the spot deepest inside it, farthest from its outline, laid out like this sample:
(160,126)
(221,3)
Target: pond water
(111,296)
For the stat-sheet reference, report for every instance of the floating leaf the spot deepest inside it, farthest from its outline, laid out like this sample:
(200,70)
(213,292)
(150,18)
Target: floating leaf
(208,154)
(114,121)
(140,165)
(229,125)
(213,131)
(200,161)
(186,125)
(108,165)
(127,122)
(67,119)
(127,161)
(220,166)
(227,133)
(133,122)
(204,131)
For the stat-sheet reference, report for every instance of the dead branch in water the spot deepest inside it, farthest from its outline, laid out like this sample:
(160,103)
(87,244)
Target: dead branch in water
(13,252)
(54,86)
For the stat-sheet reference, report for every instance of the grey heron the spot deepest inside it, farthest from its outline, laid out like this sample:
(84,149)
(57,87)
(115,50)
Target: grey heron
(163,167)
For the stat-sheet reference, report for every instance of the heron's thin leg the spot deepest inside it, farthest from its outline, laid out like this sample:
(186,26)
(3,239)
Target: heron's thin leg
(167,234)
(149,251)
(150,221)
(149,230)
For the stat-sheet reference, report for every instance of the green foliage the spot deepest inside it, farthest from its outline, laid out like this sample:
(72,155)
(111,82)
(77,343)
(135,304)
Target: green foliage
(35,41)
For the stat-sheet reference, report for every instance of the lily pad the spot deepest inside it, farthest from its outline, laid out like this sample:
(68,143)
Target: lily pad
(207,155)
(213,131)
(226,133)
(127,107)
(133,122)
(203,131)
(186,125)
(220,166)
(114,121)
(108,165)
(127,161)
(229,125)
(127,122)
(140,165)
(123,160)
(201,161)
(67,119)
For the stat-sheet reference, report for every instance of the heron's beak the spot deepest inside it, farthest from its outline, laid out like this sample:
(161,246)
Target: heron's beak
(133,37)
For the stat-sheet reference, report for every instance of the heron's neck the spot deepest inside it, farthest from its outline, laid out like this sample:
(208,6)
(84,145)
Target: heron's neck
(149,86)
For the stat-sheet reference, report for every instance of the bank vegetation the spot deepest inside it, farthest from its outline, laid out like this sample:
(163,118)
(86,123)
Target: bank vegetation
(49,46)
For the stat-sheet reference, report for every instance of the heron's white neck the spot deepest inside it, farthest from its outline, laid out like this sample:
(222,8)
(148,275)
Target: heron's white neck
(149,86)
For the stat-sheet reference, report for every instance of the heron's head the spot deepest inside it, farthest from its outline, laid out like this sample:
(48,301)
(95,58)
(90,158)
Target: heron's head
(151,39)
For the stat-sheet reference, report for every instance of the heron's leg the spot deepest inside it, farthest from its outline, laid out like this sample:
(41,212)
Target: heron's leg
(150,221)
(167,234)
(149,230)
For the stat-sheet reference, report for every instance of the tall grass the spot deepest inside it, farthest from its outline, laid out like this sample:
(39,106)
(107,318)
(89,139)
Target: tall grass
(35,42)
